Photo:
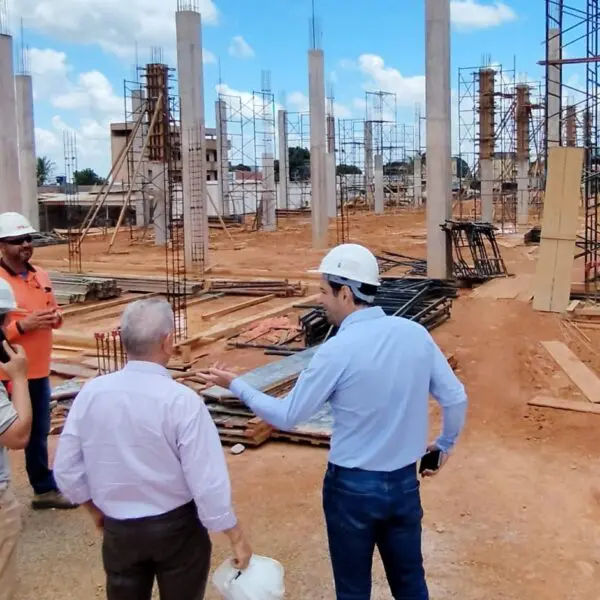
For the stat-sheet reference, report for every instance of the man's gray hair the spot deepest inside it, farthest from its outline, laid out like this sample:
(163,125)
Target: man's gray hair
(144,324)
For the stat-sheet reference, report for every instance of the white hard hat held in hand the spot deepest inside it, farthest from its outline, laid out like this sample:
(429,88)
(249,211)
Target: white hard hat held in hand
(353,262)
(262,580)
(13,225)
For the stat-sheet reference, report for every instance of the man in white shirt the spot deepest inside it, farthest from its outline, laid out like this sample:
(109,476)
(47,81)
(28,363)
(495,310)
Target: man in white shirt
(143,455)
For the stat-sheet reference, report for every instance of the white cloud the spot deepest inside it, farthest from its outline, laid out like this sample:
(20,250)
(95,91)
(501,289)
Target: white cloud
(208,58)
(298,102)
(408,90)
(114,25)
(93,93)
(240,48)
(471,14)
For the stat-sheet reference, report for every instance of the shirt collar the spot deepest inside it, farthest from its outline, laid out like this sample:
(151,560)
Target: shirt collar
(363,314)
(143,366)
(28,266)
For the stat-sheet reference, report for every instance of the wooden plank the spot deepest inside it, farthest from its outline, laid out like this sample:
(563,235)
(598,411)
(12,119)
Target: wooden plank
(588,311)
(563,404)
(559,229)
(71,370)
(240,306)
(73,338)
(220,331)
(573,305)
(581,375)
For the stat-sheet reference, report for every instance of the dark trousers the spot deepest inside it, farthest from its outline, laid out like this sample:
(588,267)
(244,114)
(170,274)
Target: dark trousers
(364,509)
(40,475)
(174,547)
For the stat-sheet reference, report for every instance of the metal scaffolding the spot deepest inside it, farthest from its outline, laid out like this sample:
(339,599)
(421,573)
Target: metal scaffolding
(572,65)
(250,124)
(298,138)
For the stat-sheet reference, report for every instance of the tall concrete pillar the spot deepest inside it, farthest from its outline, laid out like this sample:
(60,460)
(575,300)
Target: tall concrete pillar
(369,162)
(10,184)
(418,181)
(331,169)
(439,171)
(27,156)
(523,192)
(284,168)
(190,75)
(268,220)
(554,88)
(318,169)
(378,176)
(160,216)
(222,156)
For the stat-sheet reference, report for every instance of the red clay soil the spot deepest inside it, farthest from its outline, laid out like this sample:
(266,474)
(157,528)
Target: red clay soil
(515,515)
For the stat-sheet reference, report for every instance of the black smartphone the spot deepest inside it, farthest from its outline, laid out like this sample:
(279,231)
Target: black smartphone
(431,461)
(4,358)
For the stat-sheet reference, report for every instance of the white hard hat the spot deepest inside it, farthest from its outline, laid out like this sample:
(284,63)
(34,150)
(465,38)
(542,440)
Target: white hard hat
(13,224)
(7,298)
(353,262)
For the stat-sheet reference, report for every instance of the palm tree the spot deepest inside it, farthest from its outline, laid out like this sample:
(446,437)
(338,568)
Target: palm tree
(45,168)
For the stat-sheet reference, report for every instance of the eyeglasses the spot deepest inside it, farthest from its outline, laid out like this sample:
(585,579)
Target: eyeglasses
(26,239)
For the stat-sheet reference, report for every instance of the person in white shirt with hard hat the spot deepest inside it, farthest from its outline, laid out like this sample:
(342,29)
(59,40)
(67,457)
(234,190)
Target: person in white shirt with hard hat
(377,373)
(15,427)
(32,328)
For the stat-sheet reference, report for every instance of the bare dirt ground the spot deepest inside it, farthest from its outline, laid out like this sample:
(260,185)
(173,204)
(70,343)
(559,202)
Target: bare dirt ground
(513,516)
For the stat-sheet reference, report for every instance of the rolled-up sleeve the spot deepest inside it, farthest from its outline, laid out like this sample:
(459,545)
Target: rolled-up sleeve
(204,467)
(69,466)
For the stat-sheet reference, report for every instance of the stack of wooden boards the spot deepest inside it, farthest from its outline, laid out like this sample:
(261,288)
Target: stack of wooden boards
(281,289)
(71,288)
(580,374)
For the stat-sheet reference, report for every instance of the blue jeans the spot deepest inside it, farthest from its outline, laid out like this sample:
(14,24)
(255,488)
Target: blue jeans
(364,509)
(40,475)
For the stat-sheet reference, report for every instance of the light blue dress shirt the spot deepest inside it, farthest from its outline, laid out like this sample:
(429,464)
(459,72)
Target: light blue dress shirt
(377,373)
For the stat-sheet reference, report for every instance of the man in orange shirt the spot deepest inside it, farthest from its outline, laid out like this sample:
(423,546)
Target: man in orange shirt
(32,328)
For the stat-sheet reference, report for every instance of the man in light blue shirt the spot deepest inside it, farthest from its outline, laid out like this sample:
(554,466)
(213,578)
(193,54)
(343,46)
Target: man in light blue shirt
(377,374)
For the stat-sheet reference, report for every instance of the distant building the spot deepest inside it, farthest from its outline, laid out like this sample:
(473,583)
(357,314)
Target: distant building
(119,137)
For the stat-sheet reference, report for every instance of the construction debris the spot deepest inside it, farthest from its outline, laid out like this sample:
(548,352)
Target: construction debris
(391,260)
(477,256)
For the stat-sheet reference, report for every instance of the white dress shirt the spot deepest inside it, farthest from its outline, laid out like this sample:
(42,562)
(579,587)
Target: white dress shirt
(139,444)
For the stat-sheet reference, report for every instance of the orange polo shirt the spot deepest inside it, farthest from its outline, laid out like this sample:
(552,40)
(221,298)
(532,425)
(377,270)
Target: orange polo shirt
(33,291)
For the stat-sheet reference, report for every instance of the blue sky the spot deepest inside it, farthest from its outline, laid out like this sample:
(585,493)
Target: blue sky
(82,50)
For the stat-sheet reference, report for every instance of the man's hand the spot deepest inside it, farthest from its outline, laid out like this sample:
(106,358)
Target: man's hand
(38,319)
(443,459)
(217,375)
(242,552)
(96,514)
(58,319)
(16,367)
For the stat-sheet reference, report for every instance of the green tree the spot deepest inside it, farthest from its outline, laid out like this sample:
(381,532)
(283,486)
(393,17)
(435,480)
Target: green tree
(347,170)
(240,167)
(87,177)
(44,170)
(299,163)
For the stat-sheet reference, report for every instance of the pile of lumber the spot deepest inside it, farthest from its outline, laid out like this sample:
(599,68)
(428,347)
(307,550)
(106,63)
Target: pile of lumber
(258,287)
(276,336)
(71,288)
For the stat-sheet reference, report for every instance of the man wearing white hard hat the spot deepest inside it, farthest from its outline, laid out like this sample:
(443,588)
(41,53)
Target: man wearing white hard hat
(32,328)
(377,374)
(15,427)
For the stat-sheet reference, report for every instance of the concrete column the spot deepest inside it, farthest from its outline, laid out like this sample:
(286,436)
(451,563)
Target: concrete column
(369,162)
(523,192)
(284,168)
(10,185)
(318,169)
(439,171)
(190,75)
(554,89)
(418,181)
(160,215)
(222,156)
(269,219)
(378,176)
(486,174)
(27,156)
